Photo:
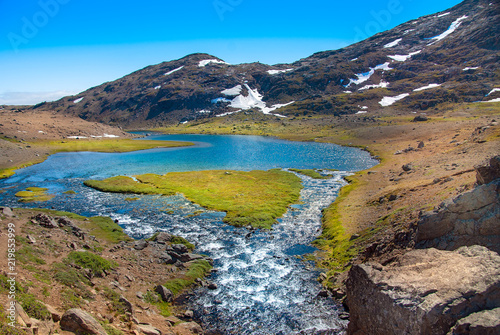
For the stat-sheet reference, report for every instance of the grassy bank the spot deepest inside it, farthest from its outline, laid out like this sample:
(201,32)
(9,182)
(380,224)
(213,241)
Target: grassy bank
(255,198)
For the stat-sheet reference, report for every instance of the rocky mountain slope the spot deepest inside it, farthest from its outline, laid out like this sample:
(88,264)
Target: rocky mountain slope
(448,57)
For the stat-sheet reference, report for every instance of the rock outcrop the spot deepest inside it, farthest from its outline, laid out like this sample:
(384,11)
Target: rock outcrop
(425,292)
(80,322)
(470,218)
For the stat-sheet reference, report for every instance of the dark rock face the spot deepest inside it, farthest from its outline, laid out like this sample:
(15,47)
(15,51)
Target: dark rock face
(487,173)
(80,322)
(463,63)
(480,323)
(470,218)
(422,292)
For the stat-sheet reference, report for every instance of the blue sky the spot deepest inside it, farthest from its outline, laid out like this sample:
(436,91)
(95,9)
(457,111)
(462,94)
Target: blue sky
(52,48)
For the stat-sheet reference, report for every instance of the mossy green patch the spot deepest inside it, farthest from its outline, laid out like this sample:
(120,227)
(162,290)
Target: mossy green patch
(33,307)
(6,173)
(34,194)
(311,173)
(197,269)
(88,260)
(255,198)
(101,227)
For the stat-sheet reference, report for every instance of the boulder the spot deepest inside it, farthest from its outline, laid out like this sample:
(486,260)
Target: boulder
(140,244)
(165,293)
(172,320)
(80,322)
(468,219)
(423,291)
(407,167)
(180,248)
(485,174)
(148,329)
(166,258)
(7,212)
(56,315)
(45,221)
(126,304)
(480,323)
(420,118)
(163,238)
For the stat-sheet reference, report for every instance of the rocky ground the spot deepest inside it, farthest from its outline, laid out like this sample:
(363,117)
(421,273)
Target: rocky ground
(65,295)
(21,125)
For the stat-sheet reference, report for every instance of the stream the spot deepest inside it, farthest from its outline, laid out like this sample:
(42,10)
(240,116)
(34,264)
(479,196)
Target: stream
(263,284)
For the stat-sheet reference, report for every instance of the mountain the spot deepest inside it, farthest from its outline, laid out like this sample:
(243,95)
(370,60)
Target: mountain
(448,57)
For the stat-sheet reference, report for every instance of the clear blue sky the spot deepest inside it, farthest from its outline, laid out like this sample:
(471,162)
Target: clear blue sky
(51,48)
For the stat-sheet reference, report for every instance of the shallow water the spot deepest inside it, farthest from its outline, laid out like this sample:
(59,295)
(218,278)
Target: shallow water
(263,286)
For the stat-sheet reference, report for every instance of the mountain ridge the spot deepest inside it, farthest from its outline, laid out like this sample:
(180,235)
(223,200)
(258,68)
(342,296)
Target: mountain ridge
(448,57)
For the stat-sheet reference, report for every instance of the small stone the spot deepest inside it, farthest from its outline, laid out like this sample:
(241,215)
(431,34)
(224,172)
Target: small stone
(7,212)
(323,294)
(212,286)
(189,314)
(31,239)
(421,145)
(140,245)
(407,167)
(180,248)
(344,316)
(127,304)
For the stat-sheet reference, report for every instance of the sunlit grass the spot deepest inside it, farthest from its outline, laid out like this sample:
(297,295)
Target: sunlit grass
(255,198)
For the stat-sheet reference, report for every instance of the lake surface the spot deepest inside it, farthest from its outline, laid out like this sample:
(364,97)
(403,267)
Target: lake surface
(263,285)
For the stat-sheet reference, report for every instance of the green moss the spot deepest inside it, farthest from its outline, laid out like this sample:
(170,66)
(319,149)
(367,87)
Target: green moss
(29,254)
(70,192)
(91,261)
(34,194)
(6,173)
(255,198)
(197,269)
(311,173)
(33,307)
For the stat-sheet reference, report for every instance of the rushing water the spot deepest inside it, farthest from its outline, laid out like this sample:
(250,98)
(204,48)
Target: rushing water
(263,285)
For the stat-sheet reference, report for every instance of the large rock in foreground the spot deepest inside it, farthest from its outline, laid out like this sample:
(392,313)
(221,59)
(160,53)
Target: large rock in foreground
(80,322)
(423,292)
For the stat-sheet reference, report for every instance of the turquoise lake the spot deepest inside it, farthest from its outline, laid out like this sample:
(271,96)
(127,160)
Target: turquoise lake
(263,285)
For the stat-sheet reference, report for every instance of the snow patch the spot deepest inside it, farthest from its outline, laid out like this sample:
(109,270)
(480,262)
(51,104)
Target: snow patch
(348,92)
(157,87)
(382,84)
(204,63)
(441,15)
(426,87)
(77,137)
(228,113)
(402,58)
(393,44)
(173,71)
(78,100)
(362,112)
(233,91)
(455,24)
(204,111)
(493,91)
(494,100)
(471,68)
(272,72)
(110,136)
(387,101)
(254,100)
(362,77)
(216,101)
